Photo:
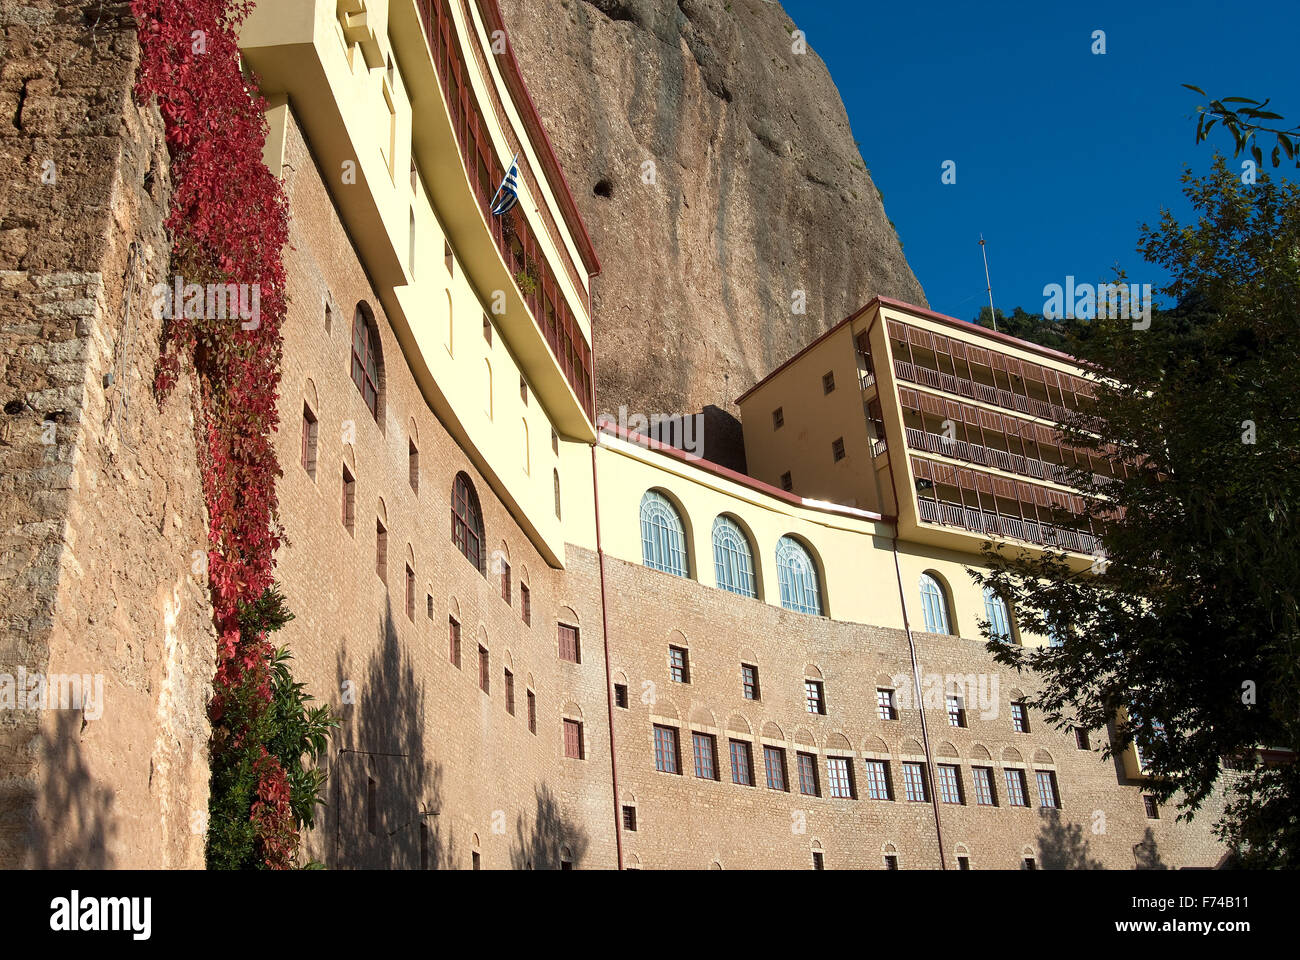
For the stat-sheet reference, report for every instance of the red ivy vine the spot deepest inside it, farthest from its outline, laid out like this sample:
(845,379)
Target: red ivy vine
(229,224)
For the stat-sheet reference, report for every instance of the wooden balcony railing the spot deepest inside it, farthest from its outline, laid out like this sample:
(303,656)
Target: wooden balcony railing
(992,457)
(960,386)
(1000,525)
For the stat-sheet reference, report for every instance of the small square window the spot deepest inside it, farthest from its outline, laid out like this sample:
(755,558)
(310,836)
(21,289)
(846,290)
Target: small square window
(837,449)
(828,381)
(963,863)
(629,818)
(891,861)
(620,695)
(814,700)
(778,418)
(886,707)
(1152,808)
(787,483)
(1030,863)
(679,665)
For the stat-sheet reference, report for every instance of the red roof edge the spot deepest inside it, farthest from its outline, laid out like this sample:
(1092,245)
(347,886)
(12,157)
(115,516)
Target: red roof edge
(717,469)
(931,315)
(537,133)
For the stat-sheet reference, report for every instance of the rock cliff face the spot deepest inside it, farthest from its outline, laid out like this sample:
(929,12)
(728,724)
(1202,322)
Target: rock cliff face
(720,182)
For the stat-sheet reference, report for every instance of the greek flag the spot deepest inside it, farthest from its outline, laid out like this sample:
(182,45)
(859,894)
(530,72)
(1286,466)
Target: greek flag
(507,194)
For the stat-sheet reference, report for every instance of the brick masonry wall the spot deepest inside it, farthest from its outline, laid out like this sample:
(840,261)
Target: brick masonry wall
(439,751)
(102,505)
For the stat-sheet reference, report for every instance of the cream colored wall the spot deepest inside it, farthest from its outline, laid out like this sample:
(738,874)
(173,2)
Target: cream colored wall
(443,311)
(852,552)
(813,420)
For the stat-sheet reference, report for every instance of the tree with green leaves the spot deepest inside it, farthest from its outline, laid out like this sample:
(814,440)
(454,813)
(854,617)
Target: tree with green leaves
(1186,637)
(1033,327)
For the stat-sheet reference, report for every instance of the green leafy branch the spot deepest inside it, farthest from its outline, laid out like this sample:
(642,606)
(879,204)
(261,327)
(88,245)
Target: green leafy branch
(1245,123)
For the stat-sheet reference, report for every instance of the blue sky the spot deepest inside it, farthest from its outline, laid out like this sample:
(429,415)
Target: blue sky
(1060,154)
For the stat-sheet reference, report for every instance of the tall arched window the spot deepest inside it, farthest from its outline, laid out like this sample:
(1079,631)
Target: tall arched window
(934,605)
(732,557)
(995,611)
(797,576)
(467,523)
(663,537)
(365,356)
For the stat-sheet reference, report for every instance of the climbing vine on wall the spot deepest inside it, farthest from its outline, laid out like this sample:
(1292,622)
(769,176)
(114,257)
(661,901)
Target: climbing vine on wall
(229,225)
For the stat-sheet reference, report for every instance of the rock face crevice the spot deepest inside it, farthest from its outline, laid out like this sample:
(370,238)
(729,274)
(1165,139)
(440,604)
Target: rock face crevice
(731,193)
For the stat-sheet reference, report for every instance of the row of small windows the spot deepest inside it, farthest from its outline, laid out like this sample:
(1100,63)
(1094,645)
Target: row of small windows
(663,548)
(841,782)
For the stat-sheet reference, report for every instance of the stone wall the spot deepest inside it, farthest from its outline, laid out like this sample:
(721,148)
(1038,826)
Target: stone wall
(102,507)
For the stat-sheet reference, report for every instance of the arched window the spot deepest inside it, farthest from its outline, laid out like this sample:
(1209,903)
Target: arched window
(467,522)
(732,557)
(365,357)
(995,611)
(934,606)
(797,575)
(663,538)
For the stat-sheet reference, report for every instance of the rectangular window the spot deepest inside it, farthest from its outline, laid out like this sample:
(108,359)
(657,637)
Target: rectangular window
(484,677)
(1016,793)
(510,692)
(706,756)
(828,381)
(381,550)
(487,329)
(808,784)
(413,465)
(532,712)
(879,786)
(447,258)
(840,777)
(787,483)
(885,704)
(620,695)
(573,748)
(569,646)
(891,861)
(914,782)
(526,604)
(453,641)
(349,499)
(629,818)
(956,712)
(410,593)
(1081,739)
(963,863)
(1019,718)
(837,449)
(749,681)
(428,605)
(950,783)
(1047,795)
(984,793)
(309,427)
(679,667)
(666,757)
(778,418)
(1031,863)
(774,766)
(819,860)
(742,764)
(813,699)
(506,593)
(1152,808)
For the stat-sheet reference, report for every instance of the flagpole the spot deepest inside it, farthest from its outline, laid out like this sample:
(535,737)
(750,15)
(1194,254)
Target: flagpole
(493,202)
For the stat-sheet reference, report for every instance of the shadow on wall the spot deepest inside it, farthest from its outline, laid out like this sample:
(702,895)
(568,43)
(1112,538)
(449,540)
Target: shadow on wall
(1146,854)
(386,798)
(86,826)
(549,839)
(1063,846)
(724,443)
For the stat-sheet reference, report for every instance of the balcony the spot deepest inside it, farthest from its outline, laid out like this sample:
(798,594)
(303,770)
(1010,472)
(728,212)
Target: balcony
(1000,525)
(980,391)
(992,457)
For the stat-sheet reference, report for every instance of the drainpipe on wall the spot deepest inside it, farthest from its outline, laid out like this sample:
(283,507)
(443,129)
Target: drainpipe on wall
(609,680)
(911,647)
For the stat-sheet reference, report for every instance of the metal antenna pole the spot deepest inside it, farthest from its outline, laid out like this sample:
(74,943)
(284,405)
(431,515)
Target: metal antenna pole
(992,314)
